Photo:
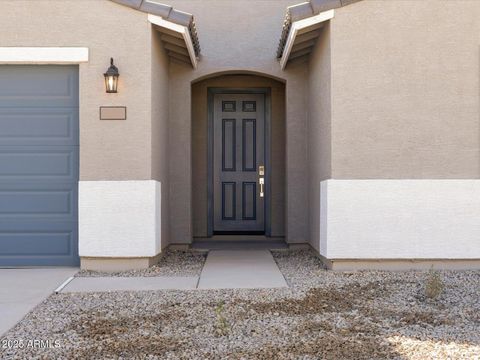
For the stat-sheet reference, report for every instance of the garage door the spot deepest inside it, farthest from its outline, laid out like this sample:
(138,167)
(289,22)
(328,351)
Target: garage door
(38,165)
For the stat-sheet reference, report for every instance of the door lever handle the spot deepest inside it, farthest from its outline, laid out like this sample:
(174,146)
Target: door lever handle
(262,182)
(261,179)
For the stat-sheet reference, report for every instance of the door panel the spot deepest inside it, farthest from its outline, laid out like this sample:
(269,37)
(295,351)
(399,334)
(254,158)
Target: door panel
(229,200)
(249,145)
(249,193)
(238,151)
(229,145)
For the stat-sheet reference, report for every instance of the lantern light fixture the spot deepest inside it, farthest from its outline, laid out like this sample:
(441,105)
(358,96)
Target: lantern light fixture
(111,78)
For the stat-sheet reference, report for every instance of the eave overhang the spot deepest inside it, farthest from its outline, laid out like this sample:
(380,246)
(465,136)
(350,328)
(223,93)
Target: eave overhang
(302,25)
(302,37)
(176,40)
(179,34)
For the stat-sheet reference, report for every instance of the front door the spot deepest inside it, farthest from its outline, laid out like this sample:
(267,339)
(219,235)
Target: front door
(238,163)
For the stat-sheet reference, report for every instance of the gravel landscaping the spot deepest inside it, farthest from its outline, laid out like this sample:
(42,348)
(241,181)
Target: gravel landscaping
(172,263)
(322,315)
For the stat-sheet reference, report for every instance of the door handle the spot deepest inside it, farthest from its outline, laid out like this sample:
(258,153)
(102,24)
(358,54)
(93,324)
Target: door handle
(261,179)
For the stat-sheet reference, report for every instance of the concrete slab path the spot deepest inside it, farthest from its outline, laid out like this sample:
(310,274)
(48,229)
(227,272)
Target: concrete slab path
(247,269)
(223,269)
(23,289)
(110,283)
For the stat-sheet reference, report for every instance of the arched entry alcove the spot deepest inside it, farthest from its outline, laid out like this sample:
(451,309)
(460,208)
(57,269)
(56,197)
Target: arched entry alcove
(238,125)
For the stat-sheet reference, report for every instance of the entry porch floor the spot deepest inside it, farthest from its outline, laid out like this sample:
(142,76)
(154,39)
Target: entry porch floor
(321,314)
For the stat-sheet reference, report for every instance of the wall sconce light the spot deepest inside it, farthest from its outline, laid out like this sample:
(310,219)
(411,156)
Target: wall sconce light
(111,78)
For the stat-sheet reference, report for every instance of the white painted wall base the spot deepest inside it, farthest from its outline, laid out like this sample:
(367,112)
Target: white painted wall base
(119,218)
(399,219)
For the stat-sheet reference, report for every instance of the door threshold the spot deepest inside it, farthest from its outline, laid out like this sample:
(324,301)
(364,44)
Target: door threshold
(239,238)
(207,244)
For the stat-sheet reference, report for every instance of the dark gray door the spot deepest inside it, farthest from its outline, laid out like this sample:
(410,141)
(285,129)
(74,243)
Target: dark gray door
(38,165)
(239,150)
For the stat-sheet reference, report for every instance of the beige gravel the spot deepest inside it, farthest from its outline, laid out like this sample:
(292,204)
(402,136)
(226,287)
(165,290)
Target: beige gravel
(323,315)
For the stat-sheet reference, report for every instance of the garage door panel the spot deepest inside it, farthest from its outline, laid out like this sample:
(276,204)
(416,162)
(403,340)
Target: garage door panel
(38,126)
(38,242)
(39,155)
(37,260)
(38,201)
(39,163)
(38,86)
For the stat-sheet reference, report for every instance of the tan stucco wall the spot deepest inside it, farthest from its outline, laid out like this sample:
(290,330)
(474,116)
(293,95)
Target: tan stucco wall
(403,78)
(159,127)
(109,150)
(199,147)
(237,36)
(319,127)
(405,89)
(139,147)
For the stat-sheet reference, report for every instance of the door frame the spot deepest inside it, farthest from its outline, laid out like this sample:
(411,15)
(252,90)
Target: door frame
(211,92)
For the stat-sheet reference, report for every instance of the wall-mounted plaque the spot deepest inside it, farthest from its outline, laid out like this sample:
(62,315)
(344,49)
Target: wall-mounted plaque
(113,113)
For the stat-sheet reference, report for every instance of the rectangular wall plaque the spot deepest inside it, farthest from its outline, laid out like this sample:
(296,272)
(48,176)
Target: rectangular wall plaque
(113,113)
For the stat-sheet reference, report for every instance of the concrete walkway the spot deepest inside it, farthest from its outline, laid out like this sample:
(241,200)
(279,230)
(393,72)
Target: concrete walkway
(234,269)
(110,283)
(223,269)
(23,289)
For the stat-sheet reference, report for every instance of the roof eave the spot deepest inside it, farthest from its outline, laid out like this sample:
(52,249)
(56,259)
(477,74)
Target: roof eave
(306,25)
(167,13)
(182,31)
(300,12)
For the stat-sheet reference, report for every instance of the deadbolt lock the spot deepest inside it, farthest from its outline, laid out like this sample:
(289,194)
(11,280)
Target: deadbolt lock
(261,170)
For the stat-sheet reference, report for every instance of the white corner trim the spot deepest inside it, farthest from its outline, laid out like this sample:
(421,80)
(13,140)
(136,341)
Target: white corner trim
(191,50)
(43,55)
(182,30)
(317,19)
(323,219)
(159,21)
(299,25)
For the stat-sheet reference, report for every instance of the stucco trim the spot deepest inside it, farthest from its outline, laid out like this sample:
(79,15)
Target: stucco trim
(400,264)
(116,264)
(119,218)
(43,55)
(400,219)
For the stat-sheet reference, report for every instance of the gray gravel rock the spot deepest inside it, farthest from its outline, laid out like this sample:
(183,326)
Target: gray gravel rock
(171,263)
(322,315)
